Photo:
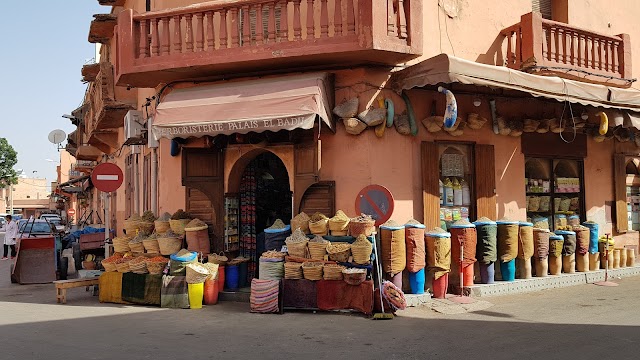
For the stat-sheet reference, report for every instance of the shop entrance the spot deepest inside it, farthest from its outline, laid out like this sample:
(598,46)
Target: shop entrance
(265,195)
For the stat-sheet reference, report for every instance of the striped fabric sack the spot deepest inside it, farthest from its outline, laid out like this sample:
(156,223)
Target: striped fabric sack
(264,296)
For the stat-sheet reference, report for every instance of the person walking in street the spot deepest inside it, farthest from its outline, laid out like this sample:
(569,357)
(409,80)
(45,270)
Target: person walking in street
(11,233)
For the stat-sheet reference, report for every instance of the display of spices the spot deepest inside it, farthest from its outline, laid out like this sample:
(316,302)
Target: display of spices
(180,215)
(195,223)
(391,223)
(272,254)
(148,216)
(277,225)
(362,218)
(297,236)
(413,222)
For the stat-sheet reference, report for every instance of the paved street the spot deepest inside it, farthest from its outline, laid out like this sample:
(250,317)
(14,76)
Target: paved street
(585,322)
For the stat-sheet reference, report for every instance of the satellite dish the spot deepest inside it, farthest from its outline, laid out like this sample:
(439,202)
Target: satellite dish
(57,136)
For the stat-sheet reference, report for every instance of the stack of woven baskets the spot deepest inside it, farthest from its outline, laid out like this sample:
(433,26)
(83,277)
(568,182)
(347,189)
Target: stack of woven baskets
(121,244)
(293,270)
(339,224)
(318,224)
(297,244)
(318,248)
(138,265)
(354,276)
(339,252)
(361,250)
(169,244)
(312,270)
(333,271)
(156,265)
(362,225)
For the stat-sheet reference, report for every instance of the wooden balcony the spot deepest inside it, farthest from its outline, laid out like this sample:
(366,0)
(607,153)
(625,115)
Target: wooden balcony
(101,29)
(106,110)
(257,36)
(552,48)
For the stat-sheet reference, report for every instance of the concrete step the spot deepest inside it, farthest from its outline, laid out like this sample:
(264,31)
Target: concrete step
(521,286)
(235,296)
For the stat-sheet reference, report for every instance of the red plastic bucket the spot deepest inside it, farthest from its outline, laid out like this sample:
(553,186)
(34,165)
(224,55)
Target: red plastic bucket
(220,278)
(468,274)
(440,286)
(211,292)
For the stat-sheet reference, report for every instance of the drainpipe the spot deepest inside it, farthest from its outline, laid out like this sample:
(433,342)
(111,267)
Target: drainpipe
(154,181)
(136,185)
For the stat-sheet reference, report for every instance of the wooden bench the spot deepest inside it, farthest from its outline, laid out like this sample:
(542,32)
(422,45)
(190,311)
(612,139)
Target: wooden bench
(63,285)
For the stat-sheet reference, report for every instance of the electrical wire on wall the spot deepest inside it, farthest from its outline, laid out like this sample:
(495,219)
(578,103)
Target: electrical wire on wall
(562,120)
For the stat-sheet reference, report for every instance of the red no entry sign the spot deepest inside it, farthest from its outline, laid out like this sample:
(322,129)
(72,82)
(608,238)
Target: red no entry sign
(377,201)
(71,212)
(107,177)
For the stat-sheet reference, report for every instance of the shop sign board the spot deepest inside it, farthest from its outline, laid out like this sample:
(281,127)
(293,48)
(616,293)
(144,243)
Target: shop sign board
(107,177)
(376,201)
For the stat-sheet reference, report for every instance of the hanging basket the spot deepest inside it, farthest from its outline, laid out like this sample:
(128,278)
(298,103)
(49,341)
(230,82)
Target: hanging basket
(177,226)
(169,245)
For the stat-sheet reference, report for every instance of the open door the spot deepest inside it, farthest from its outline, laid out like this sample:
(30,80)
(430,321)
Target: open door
(620,181)
(485,181)
(203,177)
(306,169)
(430,185)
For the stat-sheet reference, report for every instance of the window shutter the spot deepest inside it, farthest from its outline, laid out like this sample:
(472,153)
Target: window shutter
(543,7)
(620,179)
(430,187)
(320,197)
(253,16)
(485,181)
(306,169)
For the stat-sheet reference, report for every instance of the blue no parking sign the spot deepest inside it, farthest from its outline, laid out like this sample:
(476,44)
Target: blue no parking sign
(376,201)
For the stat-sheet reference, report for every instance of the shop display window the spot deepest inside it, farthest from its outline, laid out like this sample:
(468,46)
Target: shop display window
(231,223)
(456,183)
(555,192)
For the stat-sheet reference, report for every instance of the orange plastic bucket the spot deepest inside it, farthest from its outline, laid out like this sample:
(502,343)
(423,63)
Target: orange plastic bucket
(440,286)
(468,274)
(211,292)
(220,278)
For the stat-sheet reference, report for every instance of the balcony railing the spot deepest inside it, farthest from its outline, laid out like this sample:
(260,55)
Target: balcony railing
(549,47)
(105,111)
(252,35)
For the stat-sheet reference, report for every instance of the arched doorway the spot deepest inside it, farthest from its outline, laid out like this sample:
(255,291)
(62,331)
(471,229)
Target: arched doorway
(265,195)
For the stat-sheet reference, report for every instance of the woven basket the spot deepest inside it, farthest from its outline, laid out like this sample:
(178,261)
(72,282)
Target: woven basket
(302,223)
(151,246)
(340,256)
(146,226)
(333,272)
(312,271)
(293,271)
(131,227)
(361,252)
(196,273)
(317,250)
(354,278)
(155,267)
(319,227)
(339,226)
(219,259)
(362,228)
(121,244)
(161,226)
(213,270)
(138,266)
(169,245)
(109,266)
(298,249)
(177,226)
(123,267)
(136,247)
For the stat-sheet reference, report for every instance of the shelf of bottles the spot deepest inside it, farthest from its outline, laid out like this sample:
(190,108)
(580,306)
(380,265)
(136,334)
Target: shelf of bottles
(231,223)
(455,182)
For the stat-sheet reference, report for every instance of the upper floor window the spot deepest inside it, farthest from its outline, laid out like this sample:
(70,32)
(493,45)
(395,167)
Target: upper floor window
(543,7)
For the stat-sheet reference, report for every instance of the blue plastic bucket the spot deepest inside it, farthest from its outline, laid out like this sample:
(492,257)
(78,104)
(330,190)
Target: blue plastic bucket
(508,270)
(487,273)
(416,280)
(232,277)
(593,236)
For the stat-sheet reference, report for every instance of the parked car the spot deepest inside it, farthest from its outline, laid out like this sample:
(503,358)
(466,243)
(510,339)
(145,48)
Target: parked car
(55,220)
(35,228)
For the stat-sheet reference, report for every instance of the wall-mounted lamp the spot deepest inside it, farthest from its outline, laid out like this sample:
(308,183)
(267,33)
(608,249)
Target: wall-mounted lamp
(584,115)
(477,102)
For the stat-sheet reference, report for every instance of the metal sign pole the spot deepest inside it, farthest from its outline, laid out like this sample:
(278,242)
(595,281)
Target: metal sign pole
(107,222)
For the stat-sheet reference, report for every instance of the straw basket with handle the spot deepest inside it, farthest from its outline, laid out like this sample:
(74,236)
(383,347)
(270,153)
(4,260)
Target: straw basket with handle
(138,265)
(300,221)
(121,244)
(109,266)
(339,252)
(357,227)
(161,226)
(122,265)
(196,273)
(177,226)
(312,270)
(169,245)
(297,248)
(318,249)
(151,246)
(293,270)
(131,226)
(333,272)
(219,259)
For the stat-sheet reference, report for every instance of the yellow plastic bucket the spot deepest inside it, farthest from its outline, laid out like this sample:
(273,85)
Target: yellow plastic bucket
(196,294)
